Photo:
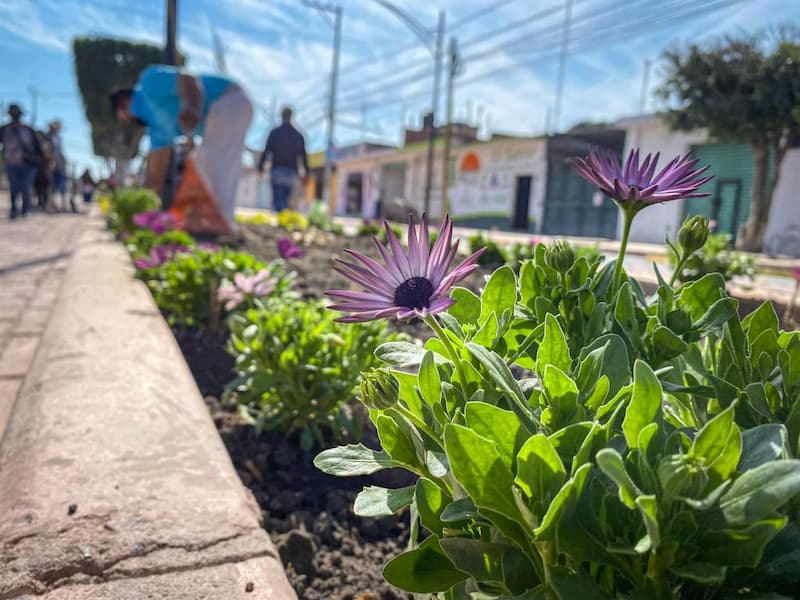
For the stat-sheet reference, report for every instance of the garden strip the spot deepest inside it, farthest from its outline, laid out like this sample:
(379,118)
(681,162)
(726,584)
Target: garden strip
(113,481)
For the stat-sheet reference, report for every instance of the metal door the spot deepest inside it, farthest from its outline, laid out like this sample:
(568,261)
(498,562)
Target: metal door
(522,201)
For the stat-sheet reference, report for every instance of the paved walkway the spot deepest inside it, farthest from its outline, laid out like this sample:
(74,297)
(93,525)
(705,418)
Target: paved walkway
(33,255)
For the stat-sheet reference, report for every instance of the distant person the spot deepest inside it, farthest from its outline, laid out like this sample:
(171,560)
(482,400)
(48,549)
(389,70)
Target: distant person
(286,149)
(21,155)
(59,165)
(87,186)
(170,103)
(41,181)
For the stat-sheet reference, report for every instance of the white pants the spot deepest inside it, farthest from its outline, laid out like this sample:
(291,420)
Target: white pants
(219,156)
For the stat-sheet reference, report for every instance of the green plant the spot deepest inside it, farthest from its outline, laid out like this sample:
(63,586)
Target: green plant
(185,287)
(127,202)
(297,368)
(494,256)
(369,227)
(321,220)
(573,438)
(716,256)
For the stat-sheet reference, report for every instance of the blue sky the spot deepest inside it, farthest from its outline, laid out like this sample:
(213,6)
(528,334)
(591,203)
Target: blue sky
(281,51)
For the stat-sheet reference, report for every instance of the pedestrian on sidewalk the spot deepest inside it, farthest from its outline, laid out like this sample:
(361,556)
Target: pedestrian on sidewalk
(286,149)
(21,155)
(44,171)
(170,103)
(59,166)
(87,186)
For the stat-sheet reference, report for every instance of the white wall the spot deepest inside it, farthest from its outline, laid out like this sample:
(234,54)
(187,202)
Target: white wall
(650,134)
(783,231)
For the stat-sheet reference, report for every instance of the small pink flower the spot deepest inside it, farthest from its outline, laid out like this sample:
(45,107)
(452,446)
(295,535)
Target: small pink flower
(154,220)
(244,287)
(797,274)
(712,225)
(288,249)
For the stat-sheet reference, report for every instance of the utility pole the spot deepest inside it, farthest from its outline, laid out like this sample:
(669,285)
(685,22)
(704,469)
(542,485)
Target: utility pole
(437,74)
(170,49)
(645,85)
(562,65)
(453,70)
(34,92)
(330,150)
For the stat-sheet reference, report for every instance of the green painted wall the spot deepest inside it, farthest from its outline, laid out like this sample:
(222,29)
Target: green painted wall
(729,163)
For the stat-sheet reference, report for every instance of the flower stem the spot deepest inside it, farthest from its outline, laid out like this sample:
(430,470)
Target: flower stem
(678,268)
(628,215)
(451,351)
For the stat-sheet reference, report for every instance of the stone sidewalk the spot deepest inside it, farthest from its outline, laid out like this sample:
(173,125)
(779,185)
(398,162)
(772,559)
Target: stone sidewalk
(34,252)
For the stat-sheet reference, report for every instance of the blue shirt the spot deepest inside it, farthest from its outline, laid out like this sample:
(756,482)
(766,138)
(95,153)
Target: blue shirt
(156,102)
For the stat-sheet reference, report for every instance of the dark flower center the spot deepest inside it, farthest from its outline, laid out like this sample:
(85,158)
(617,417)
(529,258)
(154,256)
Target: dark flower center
(414,293)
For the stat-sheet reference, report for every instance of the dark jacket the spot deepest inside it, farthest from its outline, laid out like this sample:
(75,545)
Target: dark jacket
(285,148)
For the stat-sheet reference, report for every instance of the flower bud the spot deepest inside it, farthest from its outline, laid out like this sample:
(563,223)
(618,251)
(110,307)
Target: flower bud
(561,256)
(379,389)
(693,234)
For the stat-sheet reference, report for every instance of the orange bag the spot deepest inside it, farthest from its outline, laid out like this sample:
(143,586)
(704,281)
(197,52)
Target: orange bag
(194,207)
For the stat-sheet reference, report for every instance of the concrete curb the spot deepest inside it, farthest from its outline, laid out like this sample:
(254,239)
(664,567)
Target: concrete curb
(113,480)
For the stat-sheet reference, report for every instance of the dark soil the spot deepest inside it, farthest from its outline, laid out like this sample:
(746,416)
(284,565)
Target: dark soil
(210,364)
(328,552)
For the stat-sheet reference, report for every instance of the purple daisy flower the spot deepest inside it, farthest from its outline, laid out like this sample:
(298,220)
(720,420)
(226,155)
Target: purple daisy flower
(159,255)
(288,249)
(635,183)
(408,284)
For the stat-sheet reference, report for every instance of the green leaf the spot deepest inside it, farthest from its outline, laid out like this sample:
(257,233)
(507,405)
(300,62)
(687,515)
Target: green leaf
(425,570)
(477,466)
(560,390)
(762,444)
(402,354)
(375,501)
(764,318)
(563,503)
(482,560)
(698,295)
(666,345)
(430,386)
(500,293)
(701,572)
(399,442)
(467,308)
(502,376)
(718,444)
(761,491)
(575,586)
(645,404)
(740,547)
(610,462)
(430,502)
(352,460)
(648,508)
(462,509)
(554,349)
(499,425)
(540,472)
(719,313)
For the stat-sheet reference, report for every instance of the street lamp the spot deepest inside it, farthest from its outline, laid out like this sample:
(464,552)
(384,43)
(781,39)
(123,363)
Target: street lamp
(433,41)
(337,38)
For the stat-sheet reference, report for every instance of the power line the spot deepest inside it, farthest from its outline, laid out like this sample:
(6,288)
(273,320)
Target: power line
(627,31)
(479,13)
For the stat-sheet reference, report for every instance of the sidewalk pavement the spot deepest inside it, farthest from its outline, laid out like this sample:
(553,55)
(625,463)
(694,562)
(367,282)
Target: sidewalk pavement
(33,255)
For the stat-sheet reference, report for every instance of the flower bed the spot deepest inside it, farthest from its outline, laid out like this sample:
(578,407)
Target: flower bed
(562,433)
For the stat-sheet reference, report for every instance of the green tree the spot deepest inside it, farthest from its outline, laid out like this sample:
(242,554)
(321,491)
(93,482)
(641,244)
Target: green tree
(744,90)
(101,66)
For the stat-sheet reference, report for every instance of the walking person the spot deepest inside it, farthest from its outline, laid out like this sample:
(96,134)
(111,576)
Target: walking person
(171,103)
(59,165)
(87,186)
(44,171)
(286,149)
(21,155)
